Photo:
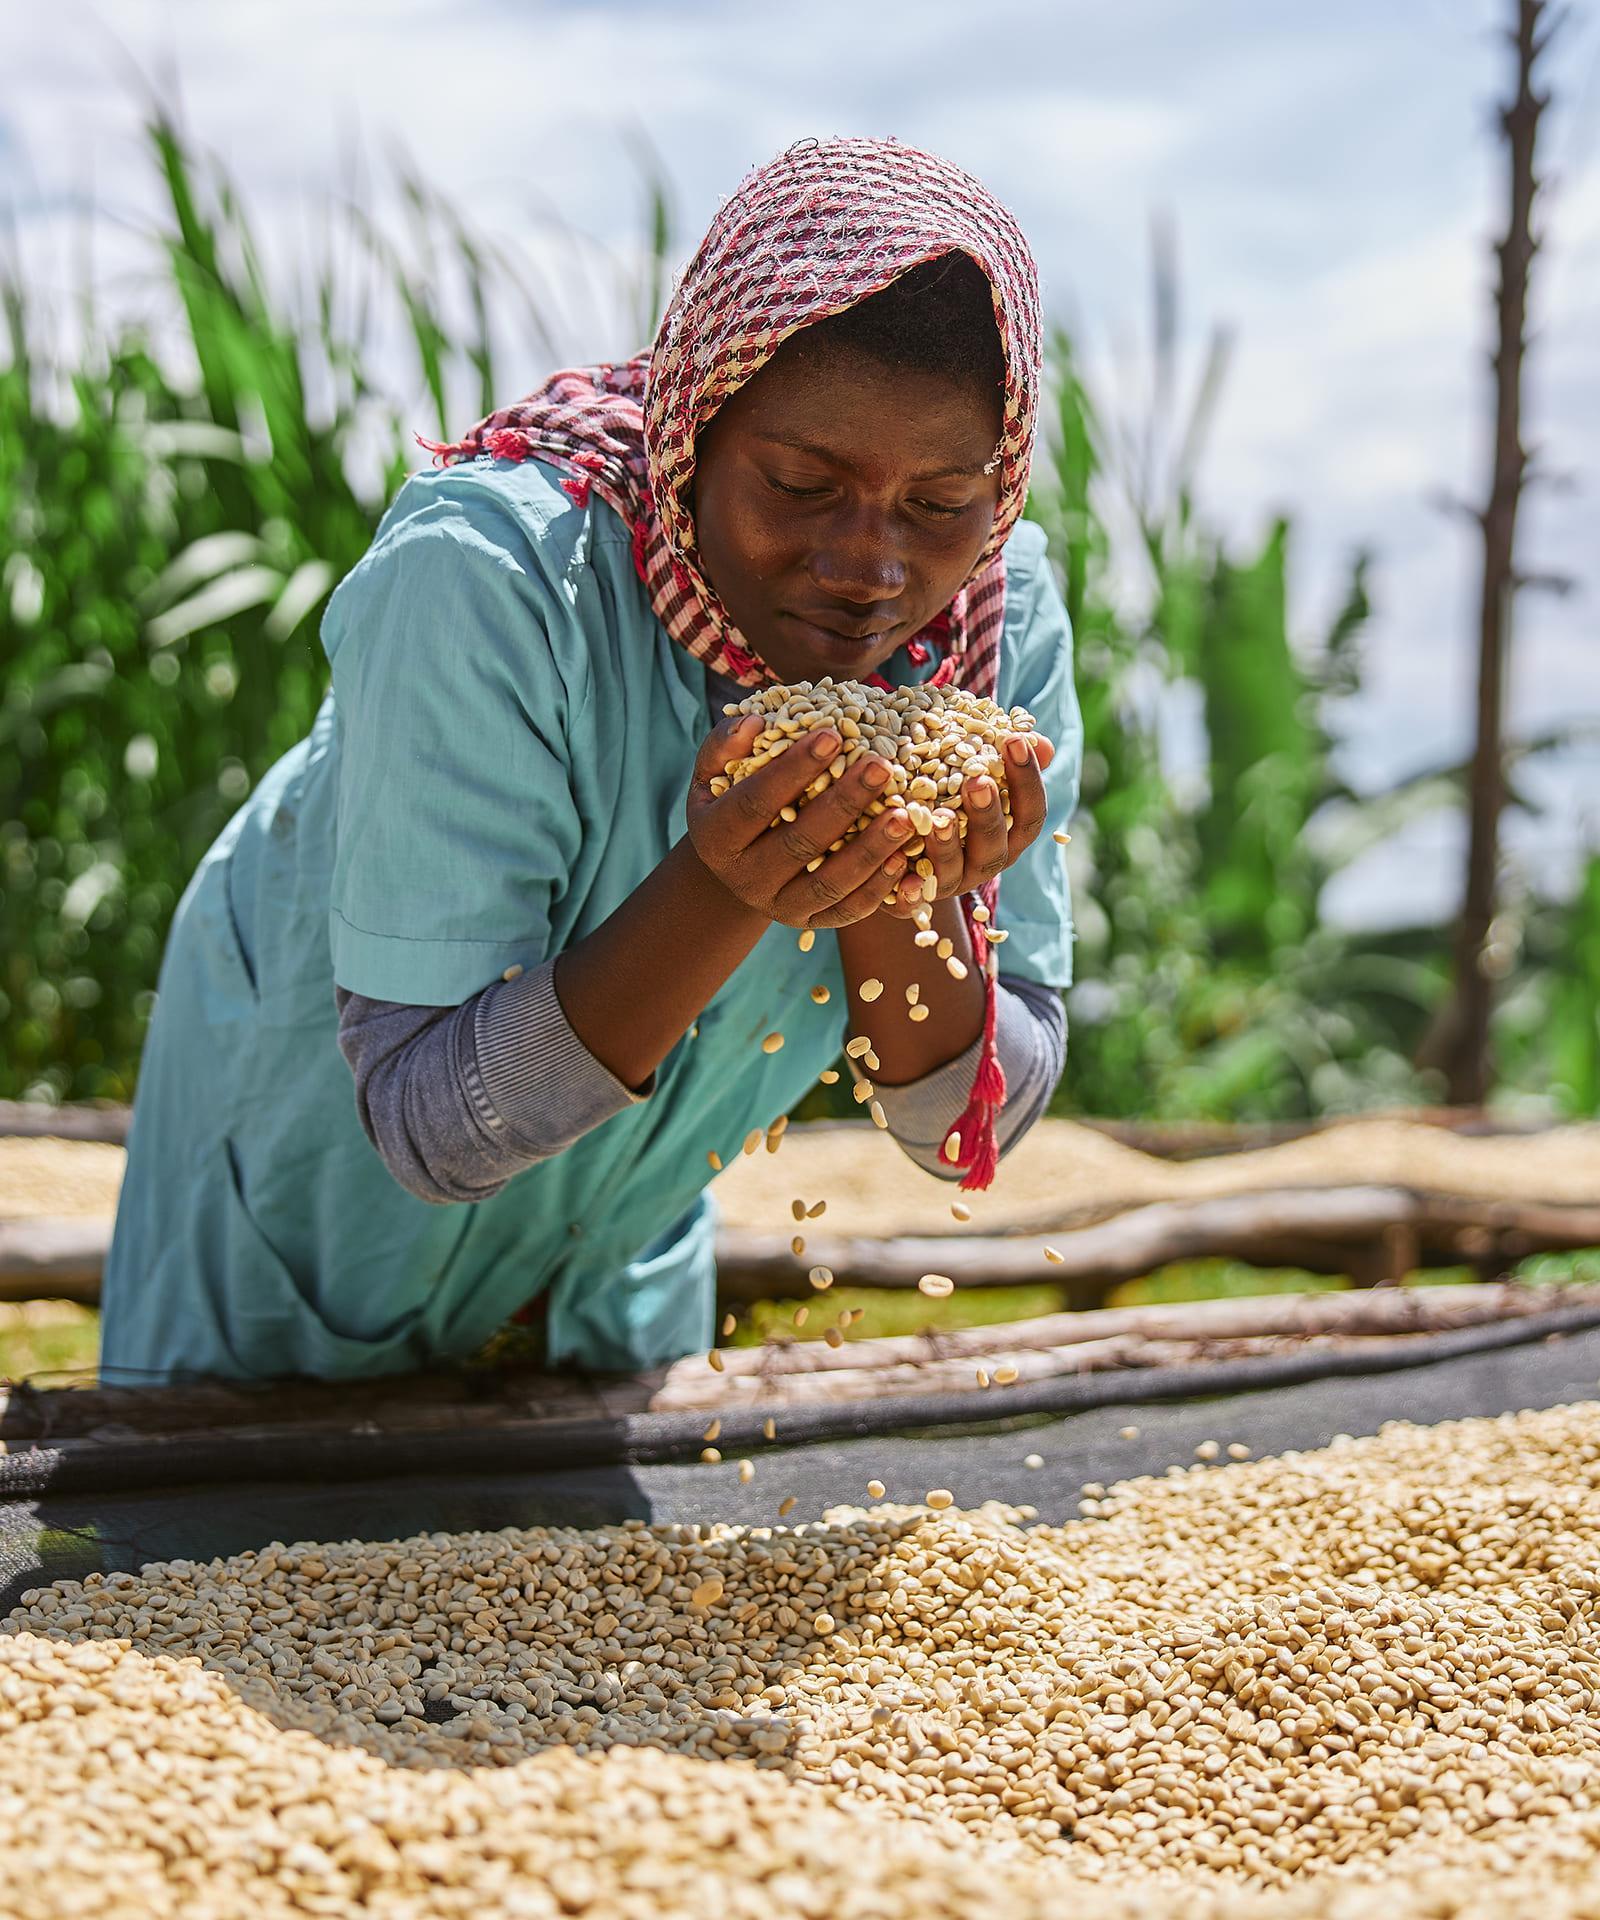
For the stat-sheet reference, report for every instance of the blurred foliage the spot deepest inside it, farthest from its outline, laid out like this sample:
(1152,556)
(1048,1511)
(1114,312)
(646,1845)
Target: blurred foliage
(167,543)
(171,527)
(1207,985)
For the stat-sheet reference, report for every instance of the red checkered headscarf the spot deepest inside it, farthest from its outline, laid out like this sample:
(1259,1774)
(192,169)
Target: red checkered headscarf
(810,234)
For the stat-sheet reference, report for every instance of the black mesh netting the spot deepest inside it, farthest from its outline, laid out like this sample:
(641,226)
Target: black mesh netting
(65,1536)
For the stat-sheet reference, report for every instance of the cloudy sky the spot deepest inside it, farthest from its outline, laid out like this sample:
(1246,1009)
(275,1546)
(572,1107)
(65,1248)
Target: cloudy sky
(1330,171)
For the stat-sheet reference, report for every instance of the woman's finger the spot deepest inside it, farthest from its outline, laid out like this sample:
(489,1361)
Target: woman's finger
(728,740)
(735,820)
(901,901)
(807,897)
(867,899)
(816,824)
(986,830)
(1025,786)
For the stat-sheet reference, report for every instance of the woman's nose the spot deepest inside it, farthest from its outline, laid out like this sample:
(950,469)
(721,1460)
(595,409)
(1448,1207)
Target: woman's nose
(858,561)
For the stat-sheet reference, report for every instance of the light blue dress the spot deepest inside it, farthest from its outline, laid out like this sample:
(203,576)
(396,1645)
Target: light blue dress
(500,760)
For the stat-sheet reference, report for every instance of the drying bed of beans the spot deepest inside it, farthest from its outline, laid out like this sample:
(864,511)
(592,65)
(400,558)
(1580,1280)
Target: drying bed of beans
(1357,1683)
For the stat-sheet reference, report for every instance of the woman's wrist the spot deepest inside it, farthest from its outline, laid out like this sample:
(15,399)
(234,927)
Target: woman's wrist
(704,894)
(633,987)
(883,948)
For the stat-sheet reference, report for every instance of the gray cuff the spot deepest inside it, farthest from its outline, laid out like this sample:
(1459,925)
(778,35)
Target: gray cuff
(532,1080)
(1030,1039)
(458,1100)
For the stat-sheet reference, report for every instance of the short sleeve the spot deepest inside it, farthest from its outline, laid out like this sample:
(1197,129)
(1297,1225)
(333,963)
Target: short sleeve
(1036,673)
(457,824)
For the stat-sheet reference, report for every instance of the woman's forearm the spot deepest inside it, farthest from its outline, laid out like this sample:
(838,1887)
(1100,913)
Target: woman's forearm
(634,987)
(883,948)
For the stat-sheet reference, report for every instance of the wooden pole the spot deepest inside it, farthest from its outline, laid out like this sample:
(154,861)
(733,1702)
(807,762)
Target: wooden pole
(1458,1038)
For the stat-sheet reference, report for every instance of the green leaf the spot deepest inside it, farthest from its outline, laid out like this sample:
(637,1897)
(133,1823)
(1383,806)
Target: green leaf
(202,559)
(234,593)
(302,591)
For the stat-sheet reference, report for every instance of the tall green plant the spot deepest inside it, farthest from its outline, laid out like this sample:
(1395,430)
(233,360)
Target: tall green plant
(1208,985)
(1207,988)
(167,543)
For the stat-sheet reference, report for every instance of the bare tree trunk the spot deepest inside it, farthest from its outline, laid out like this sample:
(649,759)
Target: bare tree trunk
(1458,1039)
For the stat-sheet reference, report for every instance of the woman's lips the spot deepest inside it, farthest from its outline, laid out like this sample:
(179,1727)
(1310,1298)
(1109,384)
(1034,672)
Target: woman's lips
(831,641)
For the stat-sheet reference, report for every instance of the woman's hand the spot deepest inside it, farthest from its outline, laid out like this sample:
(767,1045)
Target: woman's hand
(989,848)
(765,868)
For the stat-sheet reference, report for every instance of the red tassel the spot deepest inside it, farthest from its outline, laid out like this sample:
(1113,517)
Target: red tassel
(943,674)
(578,488)
(989,1086)
(980,1149)
(917,652)
(641,546)
(985,1162)
(969,1125)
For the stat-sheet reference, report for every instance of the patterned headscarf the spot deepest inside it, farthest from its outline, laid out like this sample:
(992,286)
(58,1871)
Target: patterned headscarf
(812,233)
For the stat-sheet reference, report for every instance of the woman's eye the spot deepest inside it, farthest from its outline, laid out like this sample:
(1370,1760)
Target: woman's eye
(794,493)
(939,508)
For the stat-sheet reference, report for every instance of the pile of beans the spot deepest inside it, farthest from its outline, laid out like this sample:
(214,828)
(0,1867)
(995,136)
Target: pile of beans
(1363,1681)
(934,738)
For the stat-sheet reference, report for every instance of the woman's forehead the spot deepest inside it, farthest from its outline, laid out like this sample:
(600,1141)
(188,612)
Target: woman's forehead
(847,408)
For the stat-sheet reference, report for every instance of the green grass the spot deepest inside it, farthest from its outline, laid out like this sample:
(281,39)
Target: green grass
(1561,1269)
(1218,1279)
(48,1339)
(887,1313)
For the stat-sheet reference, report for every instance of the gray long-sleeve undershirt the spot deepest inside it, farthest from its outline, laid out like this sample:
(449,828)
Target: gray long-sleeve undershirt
(457,1100)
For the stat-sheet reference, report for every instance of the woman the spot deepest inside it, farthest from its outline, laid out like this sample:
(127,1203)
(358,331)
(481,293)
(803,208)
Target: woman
(493,888)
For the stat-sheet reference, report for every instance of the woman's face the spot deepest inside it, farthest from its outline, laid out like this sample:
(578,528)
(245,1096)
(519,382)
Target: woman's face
(839,505)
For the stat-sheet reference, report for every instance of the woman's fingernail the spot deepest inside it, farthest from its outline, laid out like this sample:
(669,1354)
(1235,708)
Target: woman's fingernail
(911,892)
(824,745)
(877,773)
(983,793)
(1017,751)
(944,828)
(895,865)
(899,826)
